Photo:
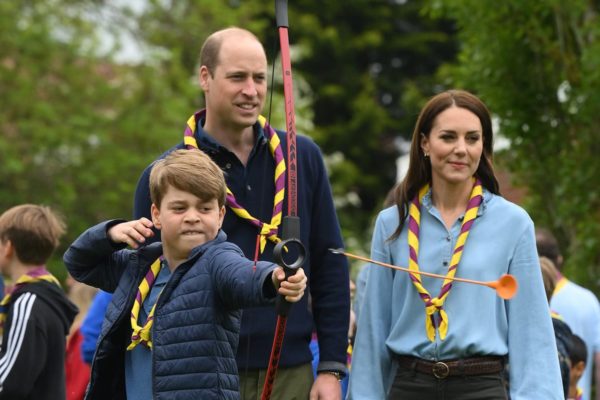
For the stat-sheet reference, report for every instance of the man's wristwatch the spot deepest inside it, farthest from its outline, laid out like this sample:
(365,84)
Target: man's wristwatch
(337,374)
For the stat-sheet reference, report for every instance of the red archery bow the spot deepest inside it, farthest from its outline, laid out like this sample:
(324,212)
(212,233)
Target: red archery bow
(291,222)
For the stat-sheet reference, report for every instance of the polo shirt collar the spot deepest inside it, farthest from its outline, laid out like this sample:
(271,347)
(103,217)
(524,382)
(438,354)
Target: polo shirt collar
(206,141)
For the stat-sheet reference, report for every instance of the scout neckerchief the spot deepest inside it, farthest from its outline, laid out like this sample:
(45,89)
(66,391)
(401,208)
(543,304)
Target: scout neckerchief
(435,305)
(556,315)
(35,275)
(579,393)
(141,334)
(562,281)
(267,230)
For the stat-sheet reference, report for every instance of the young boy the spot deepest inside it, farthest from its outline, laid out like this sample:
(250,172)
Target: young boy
(171,329)
(36,316)
(578,355)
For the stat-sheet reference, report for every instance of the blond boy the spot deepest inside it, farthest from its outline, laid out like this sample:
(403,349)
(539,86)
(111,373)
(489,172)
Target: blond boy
(171,330)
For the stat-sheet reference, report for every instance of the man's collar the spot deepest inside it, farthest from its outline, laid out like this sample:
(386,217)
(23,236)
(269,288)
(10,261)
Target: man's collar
(206,141)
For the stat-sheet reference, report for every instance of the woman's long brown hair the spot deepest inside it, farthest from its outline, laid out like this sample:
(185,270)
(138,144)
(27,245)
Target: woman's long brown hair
(419,168)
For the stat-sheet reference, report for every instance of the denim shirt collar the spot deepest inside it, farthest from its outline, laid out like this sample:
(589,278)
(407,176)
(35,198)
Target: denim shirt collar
(487,196)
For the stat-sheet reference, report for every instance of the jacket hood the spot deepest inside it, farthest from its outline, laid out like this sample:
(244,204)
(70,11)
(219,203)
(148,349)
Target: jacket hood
(56,299)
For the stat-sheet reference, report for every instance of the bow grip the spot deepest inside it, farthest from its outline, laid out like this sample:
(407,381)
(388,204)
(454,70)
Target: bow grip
(290,246)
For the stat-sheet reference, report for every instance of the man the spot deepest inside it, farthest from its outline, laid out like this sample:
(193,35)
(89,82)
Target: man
(578,307)
(233,76)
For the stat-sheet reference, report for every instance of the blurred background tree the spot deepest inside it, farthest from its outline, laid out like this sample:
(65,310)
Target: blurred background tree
(537,66)
(79,121)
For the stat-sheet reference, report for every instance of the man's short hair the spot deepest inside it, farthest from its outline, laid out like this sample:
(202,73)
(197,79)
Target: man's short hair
(547,246)
(33,230)
(209,53)
(191,171)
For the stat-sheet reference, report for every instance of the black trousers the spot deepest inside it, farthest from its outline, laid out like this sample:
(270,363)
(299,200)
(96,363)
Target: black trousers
(413,385)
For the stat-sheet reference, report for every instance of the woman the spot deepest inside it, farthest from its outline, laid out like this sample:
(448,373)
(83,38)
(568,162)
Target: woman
(424,338)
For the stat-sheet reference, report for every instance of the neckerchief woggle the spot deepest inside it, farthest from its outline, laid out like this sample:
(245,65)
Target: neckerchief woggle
(267,230)
(435,305)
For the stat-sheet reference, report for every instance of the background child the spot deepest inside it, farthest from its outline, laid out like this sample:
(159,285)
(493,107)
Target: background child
(562,331)
(578,355)
(183,345)
(76,369)
(36,315)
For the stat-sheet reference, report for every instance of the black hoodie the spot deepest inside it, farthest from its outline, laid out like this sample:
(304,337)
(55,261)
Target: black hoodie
(32,359)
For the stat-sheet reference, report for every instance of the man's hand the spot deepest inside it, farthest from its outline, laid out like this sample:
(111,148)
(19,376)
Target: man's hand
(326,387)
(132,233)
(293,289)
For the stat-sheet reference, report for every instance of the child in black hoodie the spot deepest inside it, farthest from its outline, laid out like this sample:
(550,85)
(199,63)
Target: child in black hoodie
(35,317)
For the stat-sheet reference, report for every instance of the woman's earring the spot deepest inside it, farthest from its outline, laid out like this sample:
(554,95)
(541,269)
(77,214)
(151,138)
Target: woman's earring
(426,154)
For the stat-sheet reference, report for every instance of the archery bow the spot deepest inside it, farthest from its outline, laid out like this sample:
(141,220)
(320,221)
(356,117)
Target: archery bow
(291,222)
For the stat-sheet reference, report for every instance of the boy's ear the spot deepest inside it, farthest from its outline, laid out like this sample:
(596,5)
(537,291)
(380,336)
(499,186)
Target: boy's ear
(221,216)
(7,248)
(155,216)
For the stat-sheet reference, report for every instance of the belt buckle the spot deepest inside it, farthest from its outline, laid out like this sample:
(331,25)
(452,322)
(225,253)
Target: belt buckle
(440,370)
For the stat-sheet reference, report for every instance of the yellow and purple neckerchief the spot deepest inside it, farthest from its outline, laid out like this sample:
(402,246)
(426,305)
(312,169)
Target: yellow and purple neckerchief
(267,230)
(35,275)
(435,305)
(142,334)
(579,393)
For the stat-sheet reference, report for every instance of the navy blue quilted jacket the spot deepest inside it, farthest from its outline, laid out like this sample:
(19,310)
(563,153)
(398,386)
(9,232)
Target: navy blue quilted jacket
(197,317)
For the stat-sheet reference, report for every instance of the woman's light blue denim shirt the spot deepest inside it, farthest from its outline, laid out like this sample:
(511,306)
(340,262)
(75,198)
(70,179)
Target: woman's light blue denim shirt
(392,318)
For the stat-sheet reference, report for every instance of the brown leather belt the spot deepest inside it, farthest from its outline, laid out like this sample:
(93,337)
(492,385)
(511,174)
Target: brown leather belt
(445,368)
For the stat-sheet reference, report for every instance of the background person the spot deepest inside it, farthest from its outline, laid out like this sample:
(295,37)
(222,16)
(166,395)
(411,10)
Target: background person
(36,315)
(578,307)
(562,332)
(578,355)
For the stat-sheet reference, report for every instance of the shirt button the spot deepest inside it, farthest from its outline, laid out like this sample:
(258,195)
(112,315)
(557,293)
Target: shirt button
(449,238)
(228,166)
(249,188)
(445,263)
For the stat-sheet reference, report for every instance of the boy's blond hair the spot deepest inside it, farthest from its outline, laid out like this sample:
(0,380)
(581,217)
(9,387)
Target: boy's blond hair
(191,171)
(33,230)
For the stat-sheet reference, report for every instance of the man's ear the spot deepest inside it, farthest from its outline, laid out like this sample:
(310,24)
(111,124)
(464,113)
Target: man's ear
(155,216)
(203,77)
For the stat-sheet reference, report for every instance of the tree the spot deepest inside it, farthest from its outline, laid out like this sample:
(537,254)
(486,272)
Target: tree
(76,129)
(536,65)
(360,69)
(369,65)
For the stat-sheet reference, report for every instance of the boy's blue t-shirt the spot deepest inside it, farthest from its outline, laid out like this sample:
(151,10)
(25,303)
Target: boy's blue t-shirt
(138,362)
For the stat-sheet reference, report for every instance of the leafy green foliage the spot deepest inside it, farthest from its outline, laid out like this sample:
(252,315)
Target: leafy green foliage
(76,130)
(77,127)
(536,66)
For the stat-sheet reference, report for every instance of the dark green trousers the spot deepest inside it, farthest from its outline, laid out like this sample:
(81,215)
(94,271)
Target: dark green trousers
(290,383)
